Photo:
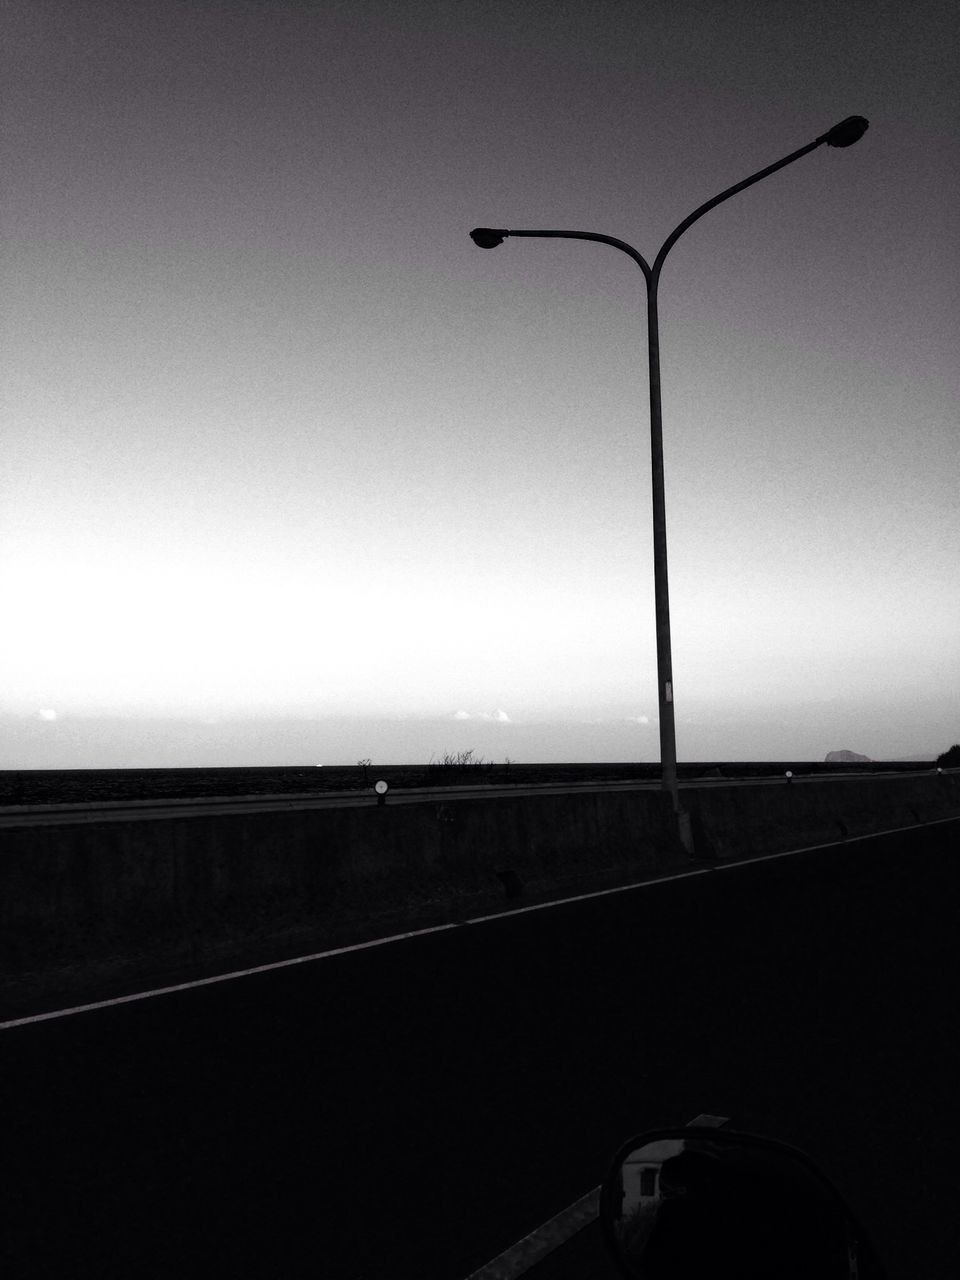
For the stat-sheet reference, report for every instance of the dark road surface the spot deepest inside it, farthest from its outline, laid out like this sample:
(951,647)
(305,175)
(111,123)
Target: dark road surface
(413,1109)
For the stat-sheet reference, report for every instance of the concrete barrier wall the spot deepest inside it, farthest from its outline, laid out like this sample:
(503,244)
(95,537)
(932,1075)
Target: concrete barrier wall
(732,822)
(81,902)
(196,890)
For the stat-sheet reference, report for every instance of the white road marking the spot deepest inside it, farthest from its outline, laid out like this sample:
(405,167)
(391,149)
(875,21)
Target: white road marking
(526,1253)
(810,848)
(442,928)
(337,951)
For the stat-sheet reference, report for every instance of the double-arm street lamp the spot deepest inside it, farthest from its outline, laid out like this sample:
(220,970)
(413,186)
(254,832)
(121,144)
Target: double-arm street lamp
(843,134)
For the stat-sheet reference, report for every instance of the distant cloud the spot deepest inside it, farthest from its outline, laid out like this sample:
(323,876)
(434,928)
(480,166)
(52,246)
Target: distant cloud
(47,713)
(638,719)
(499,716)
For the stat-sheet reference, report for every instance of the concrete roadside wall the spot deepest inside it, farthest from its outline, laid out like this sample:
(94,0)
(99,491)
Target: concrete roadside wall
(81,902)
(195,891)
(731,822)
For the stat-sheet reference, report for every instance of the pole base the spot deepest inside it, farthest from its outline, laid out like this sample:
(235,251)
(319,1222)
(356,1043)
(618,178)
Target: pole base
(685,831)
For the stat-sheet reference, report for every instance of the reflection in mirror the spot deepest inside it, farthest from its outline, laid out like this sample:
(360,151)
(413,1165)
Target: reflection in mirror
(718,1204)
(639,1192)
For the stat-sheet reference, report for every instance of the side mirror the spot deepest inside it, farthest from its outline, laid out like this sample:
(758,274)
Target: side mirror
(703,1201)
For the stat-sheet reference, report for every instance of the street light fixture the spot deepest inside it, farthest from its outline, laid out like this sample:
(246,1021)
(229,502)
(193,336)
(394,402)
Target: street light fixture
(844,134)
(847,132)
(486,238)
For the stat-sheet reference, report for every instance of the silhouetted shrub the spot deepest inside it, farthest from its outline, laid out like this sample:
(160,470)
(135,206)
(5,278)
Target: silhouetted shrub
(951,758)
(461,767)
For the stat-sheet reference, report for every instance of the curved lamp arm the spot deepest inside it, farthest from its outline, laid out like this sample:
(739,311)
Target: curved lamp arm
(675,235)
(843,134)
(490,237)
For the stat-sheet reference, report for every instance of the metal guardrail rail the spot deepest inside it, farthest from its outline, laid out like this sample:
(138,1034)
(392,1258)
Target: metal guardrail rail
(139,810)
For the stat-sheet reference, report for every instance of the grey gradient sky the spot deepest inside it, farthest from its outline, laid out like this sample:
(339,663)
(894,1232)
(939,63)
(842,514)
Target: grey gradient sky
(282,447)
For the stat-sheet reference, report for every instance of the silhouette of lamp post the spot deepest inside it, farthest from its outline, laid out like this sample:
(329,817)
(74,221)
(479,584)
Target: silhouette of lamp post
(843,134)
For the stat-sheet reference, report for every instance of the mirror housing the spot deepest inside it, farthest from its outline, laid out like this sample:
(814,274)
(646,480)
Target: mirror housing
(701,1201)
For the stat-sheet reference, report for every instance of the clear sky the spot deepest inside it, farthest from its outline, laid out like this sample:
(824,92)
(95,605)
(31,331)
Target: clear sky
(292,470)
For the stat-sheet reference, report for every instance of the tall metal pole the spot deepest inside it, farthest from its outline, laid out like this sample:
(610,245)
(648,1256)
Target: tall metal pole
(668,733)
(843,134)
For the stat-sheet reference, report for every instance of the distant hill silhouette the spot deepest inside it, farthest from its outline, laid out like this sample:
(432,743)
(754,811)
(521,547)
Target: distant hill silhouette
(846,757)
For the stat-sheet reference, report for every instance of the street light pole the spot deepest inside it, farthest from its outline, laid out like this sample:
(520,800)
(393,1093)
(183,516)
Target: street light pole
(843,134)
(661,590)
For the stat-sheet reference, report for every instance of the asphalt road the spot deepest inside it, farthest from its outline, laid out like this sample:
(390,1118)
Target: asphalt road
(413,1109)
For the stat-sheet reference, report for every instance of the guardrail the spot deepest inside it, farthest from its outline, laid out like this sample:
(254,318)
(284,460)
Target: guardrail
(178,807)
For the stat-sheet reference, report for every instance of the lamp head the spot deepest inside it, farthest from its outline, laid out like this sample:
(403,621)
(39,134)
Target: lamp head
(847,132)
(487,237)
